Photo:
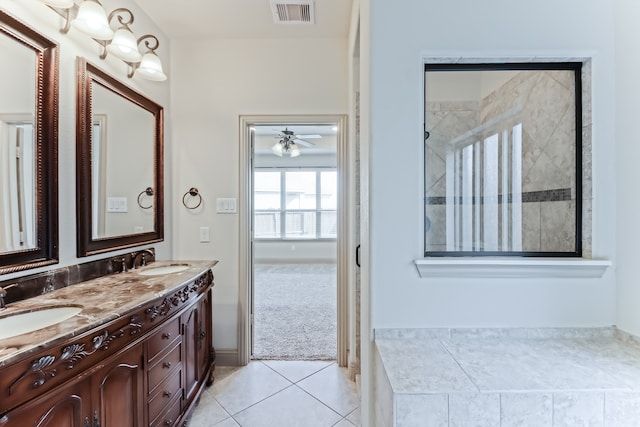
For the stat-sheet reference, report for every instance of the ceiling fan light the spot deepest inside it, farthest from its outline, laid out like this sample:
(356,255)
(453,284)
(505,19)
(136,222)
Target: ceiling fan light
(124,46)
(277,149)
(151,68)
(92,20)
(295,151)
(62,4)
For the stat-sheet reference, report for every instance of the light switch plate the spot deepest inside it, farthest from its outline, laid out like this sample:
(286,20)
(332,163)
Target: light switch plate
(117,204)
(204,234)
(226,205)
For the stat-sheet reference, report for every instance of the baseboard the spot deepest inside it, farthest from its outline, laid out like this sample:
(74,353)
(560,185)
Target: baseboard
(227,357)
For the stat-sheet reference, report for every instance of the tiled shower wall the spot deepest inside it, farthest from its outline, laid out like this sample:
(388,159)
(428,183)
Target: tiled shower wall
(543,102)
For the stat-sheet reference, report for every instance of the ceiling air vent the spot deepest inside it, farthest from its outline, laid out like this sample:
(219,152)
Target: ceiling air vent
(293,11)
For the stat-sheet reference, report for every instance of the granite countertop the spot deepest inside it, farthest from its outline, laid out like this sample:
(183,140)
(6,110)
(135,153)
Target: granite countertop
(101,300)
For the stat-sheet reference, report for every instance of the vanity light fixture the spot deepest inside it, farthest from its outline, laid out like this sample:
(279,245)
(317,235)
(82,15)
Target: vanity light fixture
(150,66)
(92,20)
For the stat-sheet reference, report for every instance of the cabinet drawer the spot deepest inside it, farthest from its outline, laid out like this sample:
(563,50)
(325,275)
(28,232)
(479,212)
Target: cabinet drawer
(161,339)
(165,393)
(160,371)
(169,417)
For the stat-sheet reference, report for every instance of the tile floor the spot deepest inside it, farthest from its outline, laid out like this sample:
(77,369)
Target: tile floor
(279,393)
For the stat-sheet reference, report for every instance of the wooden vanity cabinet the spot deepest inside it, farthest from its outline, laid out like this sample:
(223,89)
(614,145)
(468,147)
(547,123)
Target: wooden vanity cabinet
(110,396)
(153,379)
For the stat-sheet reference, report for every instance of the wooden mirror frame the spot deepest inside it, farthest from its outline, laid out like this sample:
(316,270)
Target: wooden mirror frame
(86,244)
(46,149)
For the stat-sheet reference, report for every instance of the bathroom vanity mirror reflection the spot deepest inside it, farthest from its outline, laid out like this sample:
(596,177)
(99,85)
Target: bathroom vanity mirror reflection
(503,159)
(28,140)
(120,146)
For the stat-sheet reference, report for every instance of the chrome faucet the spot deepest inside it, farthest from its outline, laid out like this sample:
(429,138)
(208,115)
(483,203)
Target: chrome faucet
(142,255)
(123,263)
(3,293)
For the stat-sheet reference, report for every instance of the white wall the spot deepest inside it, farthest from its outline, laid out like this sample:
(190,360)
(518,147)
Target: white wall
(627,91)
(400,38)
(38,15)
(214,82)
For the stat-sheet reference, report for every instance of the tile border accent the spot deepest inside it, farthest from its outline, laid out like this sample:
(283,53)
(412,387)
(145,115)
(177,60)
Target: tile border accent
(554,195)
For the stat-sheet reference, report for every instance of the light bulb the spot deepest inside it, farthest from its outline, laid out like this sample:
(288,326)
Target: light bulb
(124,46)
(277,149)
(92,20)
(151,68)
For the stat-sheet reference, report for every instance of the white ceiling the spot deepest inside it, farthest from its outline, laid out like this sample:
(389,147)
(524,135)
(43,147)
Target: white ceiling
(243,19)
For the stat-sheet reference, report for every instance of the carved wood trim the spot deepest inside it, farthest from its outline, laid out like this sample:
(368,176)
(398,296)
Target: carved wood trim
(180,297)
(47,366)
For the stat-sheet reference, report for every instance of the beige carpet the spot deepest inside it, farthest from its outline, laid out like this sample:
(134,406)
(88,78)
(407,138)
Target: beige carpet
(295,315)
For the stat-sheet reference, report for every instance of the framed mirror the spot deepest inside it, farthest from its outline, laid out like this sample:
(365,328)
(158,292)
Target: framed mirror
(119,187)
(28,147)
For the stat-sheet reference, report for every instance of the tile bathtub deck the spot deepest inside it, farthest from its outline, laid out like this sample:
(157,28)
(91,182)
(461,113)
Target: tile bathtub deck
(550,379)
(497,365)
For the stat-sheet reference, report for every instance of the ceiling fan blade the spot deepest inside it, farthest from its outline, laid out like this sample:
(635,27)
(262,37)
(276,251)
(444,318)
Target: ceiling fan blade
(312,136)
(303,143)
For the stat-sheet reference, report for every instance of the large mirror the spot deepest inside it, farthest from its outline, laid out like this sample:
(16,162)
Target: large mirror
(119,164)
(28,147)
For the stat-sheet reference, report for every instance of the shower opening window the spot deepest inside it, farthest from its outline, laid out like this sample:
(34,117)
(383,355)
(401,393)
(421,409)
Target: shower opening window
(503,159)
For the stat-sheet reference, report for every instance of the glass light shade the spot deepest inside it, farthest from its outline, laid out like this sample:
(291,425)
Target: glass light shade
(151,68)
(92,20)
(62,4)
(277,149)
(124,46)
(295,151)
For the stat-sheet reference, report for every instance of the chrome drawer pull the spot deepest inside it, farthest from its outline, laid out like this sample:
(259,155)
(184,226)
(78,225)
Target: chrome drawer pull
(167,394)
(166,335)
(167,365)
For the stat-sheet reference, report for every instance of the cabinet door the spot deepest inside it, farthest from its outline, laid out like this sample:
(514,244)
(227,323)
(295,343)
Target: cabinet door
(190,341)
(204,335)
(118,391)
(68,406)
(197,343)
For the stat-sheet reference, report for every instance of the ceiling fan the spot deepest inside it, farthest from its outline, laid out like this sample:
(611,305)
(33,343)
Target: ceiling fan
(289,142)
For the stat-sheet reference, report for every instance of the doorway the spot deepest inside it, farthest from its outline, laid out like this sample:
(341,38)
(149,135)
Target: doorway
(293,288)
(294,242)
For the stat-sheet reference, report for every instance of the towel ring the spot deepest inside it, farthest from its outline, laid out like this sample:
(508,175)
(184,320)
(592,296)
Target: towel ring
(149,192)
(193,192)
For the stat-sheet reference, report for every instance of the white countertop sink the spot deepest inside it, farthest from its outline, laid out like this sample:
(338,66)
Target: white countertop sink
(18,323)
(163,269)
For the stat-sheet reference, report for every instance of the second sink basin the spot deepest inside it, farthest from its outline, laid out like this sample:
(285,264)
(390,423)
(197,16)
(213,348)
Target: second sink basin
(163,269)
(13,324)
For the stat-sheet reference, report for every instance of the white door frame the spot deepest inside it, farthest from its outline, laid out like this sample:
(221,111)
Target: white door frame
(245,210)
